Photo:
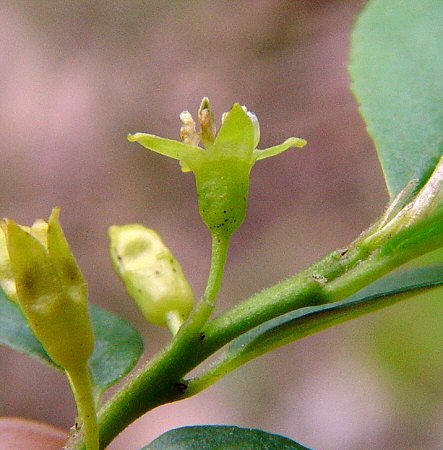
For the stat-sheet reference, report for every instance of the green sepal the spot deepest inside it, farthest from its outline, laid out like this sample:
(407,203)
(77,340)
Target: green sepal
(64,262)
(277,149)
(235,139)
(168,147)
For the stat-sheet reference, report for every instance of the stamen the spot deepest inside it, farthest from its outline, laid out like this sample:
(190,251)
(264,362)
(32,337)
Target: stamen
(188,132)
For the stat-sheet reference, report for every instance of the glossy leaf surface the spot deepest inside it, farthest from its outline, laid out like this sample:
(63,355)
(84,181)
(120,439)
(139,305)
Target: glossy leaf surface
(221,437)
(396,68)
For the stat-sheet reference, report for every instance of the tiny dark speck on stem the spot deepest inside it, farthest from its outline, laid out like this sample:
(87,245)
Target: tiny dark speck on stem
(180,387)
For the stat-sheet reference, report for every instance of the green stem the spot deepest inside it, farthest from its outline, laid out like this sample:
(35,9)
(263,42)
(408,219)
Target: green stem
(205,306)
(307,321)
(159,381)
(334,278)
(81,385)
(219,252)
(339,275)
(174,321)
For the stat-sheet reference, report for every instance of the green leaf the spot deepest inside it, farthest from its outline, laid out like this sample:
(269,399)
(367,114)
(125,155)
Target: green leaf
(397,72)
(16,334)
(221,437)
(306,321)
(118,346)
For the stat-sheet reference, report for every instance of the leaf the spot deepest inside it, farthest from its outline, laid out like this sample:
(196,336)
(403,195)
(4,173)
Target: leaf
(306,321)
(118,346)
(221,437)
(396,68)
(16,334)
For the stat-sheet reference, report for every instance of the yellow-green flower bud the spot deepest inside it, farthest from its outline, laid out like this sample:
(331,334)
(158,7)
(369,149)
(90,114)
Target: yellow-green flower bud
(222,168)
(50,289)
(151,274)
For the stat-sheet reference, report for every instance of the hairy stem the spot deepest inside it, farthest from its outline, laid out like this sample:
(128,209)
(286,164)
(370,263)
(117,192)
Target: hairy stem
(339,275)
(307,321)
(334,278)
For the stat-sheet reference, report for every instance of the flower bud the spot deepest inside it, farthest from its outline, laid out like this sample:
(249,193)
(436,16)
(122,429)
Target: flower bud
(151,274)
(50,290)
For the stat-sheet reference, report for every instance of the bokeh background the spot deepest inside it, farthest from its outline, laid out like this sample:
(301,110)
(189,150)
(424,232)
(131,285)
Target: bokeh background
(77,76)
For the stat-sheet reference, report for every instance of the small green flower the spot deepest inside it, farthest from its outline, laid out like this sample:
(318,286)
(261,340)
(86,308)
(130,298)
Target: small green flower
(222,167)
(40,273)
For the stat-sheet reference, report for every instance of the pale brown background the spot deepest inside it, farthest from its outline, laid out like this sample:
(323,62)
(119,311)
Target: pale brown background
(77,76)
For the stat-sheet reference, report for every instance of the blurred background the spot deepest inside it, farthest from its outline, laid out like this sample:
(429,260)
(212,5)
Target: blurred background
(77,76)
